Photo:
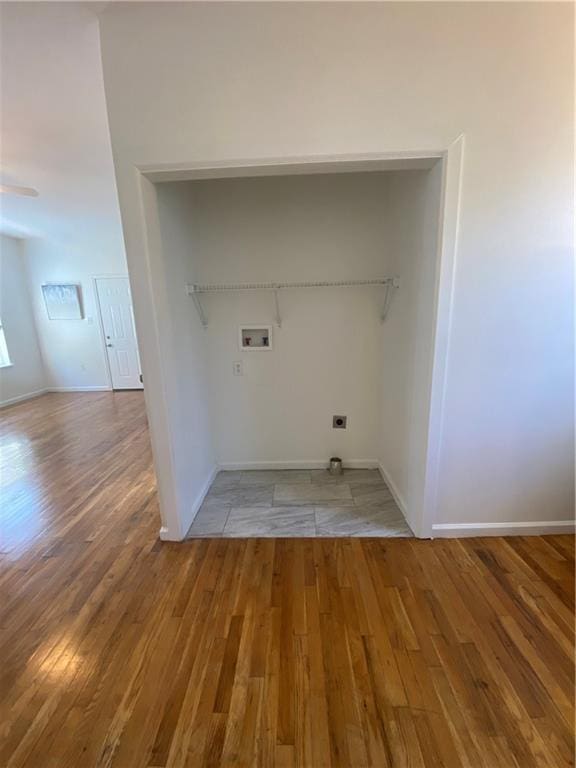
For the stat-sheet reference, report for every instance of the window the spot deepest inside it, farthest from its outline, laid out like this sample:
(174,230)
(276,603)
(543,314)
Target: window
(4,356)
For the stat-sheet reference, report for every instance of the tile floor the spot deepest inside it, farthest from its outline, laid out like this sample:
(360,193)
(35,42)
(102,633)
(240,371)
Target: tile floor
(282,503)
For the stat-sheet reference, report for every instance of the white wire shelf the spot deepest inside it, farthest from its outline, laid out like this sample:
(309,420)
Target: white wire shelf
(196,290)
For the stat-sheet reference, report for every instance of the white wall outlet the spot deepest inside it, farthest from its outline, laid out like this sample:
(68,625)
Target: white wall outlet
(238,368)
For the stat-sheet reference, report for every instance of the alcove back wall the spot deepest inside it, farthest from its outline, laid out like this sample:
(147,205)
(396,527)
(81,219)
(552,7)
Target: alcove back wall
(327,358)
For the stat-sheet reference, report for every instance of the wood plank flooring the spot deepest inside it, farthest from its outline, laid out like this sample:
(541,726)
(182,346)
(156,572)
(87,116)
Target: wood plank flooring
(119,650)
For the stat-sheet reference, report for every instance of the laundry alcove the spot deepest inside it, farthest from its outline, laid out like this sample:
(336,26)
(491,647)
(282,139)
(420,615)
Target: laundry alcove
(326,349)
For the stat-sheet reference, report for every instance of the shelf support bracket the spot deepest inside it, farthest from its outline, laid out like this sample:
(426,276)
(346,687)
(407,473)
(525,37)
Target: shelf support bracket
(193,291)
(277,306)
(391,286)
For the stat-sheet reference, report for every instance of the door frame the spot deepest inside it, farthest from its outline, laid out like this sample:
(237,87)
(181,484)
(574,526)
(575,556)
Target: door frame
(145,256)
(94,279)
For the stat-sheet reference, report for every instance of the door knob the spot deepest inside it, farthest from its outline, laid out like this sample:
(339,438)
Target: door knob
(109,345)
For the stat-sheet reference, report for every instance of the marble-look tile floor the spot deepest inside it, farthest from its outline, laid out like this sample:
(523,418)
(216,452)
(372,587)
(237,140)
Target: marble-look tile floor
(286,503)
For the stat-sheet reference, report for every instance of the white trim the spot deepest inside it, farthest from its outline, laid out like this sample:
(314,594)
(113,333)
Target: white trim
(149,322)
(398,498)
(537,528)
(200,498)
(99,388)
(94,280)
(22,398)
(46,390)
(292,166)
(165,533)
(320,464)
(141,255)
(448,230)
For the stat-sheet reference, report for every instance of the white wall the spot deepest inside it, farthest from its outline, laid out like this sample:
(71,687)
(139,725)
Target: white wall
(55,138)
(325,360)
(25,377)
(408,335)
(191,82)
(183,349)
(73,350)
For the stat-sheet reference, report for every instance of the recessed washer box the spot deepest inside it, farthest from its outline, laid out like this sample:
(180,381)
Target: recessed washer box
(255,338)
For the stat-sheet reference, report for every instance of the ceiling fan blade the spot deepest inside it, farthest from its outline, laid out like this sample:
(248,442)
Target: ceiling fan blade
(11,189)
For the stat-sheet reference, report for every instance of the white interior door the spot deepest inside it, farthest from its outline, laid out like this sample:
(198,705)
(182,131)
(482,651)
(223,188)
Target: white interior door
(119,330)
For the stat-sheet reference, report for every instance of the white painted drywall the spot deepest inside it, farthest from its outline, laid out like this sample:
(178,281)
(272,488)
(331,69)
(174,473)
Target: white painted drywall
(189,82)
(25,377)
(183,349)
(325,359)
(73,350)
(55,138)
(408,335)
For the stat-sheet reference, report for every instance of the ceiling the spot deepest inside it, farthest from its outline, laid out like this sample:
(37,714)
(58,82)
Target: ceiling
(54,125)
(54,129)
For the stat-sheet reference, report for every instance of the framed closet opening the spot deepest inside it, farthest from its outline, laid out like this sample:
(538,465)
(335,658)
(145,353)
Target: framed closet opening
(334,268)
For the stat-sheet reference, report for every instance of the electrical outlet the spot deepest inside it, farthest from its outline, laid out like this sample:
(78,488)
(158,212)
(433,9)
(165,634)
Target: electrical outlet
(339,422)
(237,368)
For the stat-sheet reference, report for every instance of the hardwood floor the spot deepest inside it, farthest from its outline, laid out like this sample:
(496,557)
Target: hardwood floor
(119,650)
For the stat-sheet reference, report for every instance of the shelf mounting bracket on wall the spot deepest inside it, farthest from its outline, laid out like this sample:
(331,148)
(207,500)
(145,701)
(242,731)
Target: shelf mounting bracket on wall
(191,290)
(277,305)
(390,284)
(389,288)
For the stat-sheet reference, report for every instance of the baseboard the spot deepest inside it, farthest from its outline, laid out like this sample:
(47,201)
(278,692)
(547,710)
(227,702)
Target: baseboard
(22,398)
(398,498)
(197,503)
(166,534)
(103,388)
(228,466)
(539,528)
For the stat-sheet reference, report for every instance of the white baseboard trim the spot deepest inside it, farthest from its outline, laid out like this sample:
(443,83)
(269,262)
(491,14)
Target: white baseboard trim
(398,498)
(539,528)
(102,388)
(166,534)
(228,466)
(22,398)
(197,503)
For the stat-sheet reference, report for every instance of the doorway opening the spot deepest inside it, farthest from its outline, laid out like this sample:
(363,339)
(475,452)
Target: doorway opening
(317,255)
